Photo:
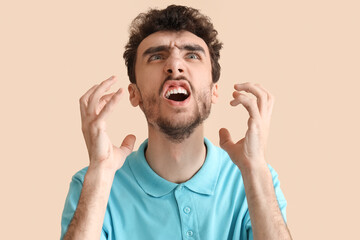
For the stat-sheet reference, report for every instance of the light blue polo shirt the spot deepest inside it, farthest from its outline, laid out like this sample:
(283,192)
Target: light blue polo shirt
(142,205)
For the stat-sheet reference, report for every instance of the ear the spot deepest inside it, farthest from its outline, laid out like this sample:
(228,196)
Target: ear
(134,95)
(215,93)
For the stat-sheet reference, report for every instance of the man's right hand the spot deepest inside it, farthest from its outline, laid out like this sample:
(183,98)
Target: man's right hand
(95,107)
(105,159)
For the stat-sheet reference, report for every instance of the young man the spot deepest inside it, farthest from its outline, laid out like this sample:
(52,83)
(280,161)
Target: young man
(177,185)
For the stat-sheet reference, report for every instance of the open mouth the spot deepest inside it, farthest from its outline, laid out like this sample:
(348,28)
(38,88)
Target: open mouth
(177,94)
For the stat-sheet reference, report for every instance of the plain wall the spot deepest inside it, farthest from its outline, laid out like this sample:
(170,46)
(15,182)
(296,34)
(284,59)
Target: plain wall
(306,53)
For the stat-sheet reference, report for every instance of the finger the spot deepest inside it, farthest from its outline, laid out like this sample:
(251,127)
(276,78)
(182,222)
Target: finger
(104,100)
(109,106)
(84,101)
(225,139)
(98,92)
(249,103)
(269,95)
(261,95)
(271,99)
(128,144)
(107,97)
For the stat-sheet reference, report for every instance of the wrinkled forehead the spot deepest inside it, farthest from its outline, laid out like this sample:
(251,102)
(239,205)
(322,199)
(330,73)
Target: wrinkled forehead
(173,39)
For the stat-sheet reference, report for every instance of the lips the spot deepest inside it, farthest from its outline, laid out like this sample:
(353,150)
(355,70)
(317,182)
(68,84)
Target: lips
(176,91)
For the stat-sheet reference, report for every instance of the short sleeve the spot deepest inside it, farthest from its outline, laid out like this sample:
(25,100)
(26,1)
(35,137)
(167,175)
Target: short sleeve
(72,200)
(246,232)
(71,203)
(103,235)
(279,194)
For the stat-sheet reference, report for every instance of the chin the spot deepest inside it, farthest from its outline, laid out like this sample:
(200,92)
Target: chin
(179,129)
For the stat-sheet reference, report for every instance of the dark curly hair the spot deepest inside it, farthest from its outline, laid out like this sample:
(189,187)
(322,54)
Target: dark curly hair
(172,18)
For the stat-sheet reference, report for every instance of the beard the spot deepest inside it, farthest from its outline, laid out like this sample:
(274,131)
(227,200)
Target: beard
(179,129)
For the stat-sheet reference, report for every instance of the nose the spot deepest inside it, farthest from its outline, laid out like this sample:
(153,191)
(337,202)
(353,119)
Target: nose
(174,65)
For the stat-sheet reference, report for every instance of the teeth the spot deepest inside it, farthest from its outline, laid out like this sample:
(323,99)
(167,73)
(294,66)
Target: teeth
(176,91)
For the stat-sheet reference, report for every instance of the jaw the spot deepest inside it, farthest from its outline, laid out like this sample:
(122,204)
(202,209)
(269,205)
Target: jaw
(177,120)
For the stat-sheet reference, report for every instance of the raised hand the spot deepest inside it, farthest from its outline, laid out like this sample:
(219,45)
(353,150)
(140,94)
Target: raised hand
(95,107)
(250,150)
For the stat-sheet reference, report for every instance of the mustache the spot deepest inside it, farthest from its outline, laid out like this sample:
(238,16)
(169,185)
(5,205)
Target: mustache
(177,78)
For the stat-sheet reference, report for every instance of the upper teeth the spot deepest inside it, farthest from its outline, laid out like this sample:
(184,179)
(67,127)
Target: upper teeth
(176,91)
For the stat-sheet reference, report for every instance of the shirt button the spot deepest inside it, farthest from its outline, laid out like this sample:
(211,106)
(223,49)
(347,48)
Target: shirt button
(187,210)
(189,233)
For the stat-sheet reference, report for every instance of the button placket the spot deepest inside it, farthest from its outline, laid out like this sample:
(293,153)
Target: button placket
(187,210)
(188,220)
(189,233)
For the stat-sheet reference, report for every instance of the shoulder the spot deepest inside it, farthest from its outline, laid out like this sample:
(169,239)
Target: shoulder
(80,175)
(274,174)
(220,160)
(221,156)
(215,151)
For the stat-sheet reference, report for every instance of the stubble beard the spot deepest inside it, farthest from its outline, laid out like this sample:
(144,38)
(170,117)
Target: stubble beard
(178,131)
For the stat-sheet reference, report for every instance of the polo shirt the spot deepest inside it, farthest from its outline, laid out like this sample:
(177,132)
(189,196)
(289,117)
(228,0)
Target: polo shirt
(143,205)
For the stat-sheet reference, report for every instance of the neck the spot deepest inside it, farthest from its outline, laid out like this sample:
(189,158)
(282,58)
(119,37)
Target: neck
(176,162)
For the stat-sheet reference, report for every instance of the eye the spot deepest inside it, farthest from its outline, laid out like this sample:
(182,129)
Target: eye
(193,56)
(155,57)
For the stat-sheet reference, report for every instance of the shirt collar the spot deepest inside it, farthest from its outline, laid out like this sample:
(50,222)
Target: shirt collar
(203,182)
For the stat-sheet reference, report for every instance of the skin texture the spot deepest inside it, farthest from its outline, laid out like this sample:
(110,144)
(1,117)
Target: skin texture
(194,67)
(174,160)
(249,155)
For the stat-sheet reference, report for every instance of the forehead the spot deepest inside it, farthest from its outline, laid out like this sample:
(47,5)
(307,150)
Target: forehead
(171,39)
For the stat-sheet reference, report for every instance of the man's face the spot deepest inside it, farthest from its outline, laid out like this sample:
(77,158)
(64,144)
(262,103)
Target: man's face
(173,82)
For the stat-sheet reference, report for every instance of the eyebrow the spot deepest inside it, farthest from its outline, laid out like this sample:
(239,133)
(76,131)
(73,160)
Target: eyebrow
(189,47)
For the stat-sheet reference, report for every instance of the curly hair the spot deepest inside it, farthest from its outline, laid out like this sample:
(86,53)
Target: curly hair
(172,18)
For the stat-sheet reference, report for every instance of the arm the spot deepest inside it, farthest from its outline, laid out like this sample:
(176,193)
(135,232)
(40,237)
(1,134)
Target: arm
(89,215)
(249,155)
(266,218)
(105,160)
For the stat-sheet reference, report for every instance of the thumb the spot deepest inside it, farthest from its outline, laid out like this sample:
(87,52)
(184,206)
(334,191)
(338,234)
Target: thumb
(127,144)
(226,142)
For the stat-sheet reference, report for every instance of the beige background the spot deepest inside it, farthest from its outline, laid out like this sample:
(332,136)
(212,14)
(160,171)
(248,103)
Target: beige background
(307,53)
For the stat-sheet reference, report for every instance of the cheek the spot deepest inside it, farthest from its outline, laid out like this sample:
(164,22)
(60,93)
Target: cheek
(149,94)
(149,101)
(149,76)
(202,70)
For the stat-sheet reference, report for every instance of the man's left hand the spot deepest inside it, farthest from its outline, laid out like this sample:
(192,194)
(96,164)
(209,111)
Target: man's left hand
(249,151)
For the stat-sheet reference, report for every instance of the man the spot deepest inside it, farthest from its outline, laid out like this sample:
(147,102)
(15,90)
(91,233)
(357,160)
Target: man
(178,185)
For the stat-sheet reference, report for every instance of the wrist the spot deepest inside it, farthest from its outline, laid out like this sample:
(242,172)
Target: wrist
(258,185)
(104,166)
(100,174)
(256,171)
(253,166)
